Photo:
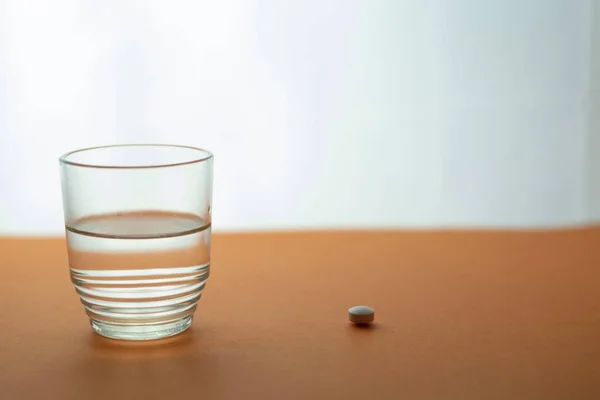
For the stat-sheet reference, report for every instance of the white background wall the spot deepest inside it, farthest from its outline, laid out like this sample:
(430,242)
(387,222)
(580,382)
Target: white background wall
(321,113)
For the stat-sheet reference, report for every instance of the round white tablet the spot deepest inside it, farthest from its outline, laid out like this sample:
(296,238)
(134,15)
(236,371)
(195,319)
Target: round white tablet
(361,314)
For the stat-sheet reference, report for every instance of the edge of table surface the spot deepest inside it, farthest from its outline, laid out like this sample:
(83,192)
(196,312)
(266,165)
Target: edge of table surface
(459,314)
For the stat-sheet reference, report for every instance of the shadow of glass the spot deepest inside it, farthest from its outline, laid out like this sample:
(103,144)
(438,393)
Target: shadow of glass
(105,348)
(141,369)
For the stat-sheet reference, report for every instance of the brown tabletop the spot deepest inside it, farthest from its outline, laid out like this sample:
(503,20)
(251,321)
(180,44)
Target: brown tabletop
(460,315)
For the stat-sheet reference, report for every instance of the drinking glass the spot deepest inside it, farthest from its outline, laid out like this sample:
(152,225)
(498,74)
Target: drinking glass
(138,226)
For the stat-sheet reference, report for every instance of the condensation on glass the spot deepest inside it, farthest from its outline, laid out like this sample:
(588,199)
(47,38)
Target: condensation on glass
(138,227)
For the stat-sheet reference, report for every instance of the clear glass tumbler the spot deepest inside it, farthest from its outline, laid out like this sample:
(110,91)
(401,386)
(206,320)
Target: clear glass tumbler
(138,226)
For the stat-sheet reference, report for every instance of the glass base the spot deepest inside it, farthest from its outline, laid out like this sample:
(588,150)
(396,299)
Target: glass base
(141,332)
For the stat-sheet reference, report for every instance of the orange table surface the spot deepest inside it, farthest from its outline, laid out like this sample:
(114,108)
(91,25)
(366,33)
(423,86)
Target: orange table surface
(459,315)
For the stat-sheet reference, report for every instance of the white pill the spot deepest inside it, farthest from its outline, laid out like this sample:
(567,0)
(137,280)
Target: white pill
(361,314)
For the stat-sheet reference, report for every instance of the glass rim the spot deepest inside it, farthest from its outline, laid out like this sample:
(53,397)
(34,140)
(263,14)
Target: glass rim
(64,161)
